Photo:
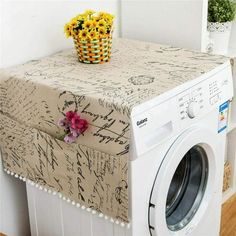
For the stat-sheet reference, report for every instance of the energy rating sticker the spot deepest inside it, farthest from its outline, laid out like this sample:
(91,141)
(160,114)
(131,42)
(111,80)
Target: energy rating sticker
(223,116)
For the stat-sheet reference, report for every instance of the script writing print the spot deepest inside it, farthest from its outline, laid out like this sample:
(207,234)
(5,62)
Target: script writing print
(93,171)
(78,172)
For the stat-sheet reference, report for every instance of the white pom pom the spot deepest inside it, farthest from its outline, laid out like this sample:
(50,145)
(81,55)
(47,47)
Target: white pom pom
(16,175)
(122,224)
(54,193)
(40,188)
(73,203)
(100,215)
(94,212)
(20,177)
(24,179)
(60,195)
(49,191)
(77,205)
(117,222)
(106,217)
(112,221)
(88,209)
(36,185)
(32,183)
(8,172)
(128,226)
(64,198)
(45,190)
(12,173)
(83,207)
(68,200)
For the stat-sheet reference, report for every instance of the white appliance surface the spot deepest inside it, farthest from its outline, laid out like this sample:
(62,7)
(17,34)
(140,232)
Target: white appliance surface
(180,134)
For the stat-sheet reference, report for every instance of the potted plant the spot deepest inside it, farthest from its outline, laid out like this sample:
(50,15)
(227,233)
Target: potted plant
(92,35)
(221,13)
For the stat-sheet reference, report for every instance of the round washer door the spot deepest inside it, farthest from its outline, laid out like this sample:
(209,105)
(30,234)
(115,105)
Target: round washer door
(184,184)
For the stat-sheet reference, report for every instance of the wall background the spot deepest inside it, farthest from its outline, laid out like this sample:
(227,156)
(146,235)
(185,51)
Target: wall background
(233,37)
(31,29)
(179,23)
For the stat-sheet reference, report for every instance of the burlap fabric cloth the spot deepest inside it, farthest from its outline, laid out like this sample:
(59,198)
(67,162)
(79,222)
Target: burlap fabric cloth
(94,171)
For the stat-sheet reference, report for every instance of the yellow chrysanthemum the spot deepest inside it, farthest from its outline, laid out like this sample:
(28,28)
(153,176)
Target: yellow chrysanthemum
(96,18)
(102,23)
(101,14)
(74,23)
(94,24)
(67,30)
(79,17)
(89,12)
(109,18)
(102,32)
(93,35)
(83,34)
(88,24)
(75,33)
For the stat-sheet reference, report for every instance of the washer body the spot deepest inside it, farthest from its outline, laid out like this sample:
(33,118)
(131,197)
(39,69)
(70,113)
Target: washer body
(176,173)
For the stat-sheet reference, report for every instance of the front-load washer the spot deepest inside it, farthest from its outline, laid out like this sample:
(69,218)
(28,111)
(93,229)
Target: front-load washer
(175,169)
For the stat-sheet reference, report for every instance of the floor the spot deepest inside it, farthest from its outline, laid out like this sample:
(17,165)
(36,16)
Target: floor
(228,218)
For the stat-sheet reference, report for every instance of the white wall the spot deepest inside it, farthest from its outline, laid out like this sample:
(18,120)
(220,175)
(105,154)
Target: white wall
(30,29)
(179,23)
(233,36)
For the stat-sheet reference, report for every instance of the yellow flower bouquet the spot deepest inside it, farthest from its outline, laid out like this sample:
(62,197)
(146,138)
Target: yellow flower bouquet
(92,34)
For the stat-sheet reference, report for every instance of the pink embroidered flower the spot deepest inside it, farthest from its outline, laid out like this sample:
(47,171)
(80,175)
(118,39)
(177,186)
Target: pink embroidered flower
(63,122)
(74,132)
(70,138)
(73,126)
(83,125)
(75,122)
(79,124)
(70,115)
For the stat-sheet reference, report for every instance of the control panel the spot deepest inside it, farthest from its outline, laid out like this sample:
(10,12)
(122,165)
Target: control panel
(203,97)
(183,108)
(215,91)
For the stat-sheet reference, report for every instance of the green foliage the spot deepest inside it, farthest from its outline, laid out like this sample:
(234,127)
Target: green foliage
(221,10)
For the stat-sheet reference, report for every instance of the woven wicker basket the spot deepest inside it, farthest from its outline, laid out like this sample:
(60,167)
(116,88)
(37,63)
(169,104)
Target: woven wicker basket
(94,51)
(227,176)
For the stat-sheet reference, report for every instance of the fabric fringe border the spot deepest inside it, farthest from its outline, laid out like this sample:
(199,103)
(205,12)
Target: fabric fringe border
(68,200)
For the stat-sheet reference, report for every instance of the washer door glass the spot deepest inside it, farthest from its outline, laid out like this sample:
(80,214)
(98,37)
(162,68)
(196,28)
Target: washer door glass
(187,188)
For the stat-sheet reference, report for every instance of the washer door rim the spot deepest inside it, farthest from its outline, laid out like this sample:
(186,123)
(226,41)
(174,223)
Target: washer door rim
(157,212)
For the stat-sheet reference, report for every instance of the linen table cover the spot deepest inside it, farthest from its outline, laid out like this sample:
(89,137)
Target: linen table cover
(93,172)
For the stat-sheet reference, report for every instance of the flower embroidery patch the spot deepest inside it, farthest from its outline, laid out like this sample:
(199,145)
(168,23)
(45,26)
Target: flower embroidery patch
(73,126)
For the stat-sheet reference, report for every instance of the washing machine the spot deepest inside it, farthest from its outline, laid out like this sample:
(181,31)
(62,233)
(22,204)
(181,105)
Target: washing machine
(175,169)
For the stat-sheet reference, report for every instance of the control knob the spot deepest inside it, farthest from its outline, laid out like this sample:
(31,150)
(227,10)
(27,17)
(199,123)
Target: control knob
(193,109)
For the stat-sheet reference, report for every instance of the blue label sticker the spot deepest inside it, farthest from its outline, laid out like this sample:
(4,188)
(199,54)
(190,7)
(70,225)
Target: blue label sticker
(223,116)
